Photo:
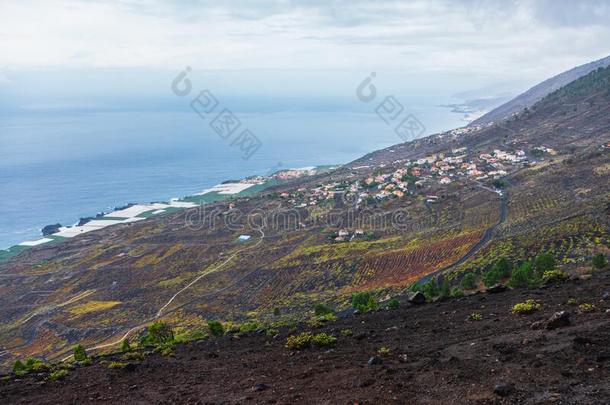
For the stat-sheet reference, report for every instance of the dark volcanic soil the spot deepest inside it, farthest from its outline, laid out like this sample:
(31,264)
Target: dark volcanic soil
(436,356)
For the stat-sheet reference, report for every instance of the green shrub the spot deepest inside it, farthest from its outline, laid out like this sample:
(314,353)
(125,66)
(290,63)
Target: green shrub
(430,289)
(554,276)
(86,362)
(364,302)
(125,346)
(323,339)
(599,261)
(457,292)
(314,323)
(346,332)
(80,354)
(491,277)
(299,341)
(468,281)
(544,262)
(133,356)
(306,339)
(157,334)
(167,351)
(524,308)
(586,307)
(216,328)
(328,317)
(524,276)
(272,332)
(502,267)
(322,309)
(58,375)
(445,290)
(383,351)
(248,327)
(196,334)
(36,365)
(117,365)
(475,316)
(393,304)
(189,335)
(572,301)
(31,365)
(19,368)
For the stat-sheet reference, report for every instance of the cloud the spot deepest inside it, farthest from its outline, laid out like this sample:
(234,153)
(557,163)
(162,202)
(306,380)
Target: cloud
(488,37)
(566,13)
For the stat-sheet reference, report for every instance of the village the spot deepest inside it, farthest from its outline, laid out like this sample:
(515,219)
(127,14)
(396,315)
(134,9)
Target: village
(427,176)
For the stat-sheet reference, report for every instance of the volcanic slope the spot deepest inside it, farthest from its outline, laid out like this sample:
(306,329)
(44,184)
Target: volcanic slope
(97,287)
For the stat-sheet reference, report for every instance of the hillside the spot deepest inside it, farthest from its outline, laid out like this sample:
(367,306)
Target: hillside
(454,203)
(434,354)
(536,93)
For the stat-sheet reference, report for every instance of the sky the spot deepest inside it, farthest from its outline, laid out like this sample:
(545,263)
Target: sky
(293,47)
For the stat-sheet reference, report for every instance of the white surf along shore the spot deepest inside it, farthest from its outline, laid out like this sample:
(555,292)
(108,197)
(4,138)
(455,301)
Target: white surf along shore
(139,212)
(134,213)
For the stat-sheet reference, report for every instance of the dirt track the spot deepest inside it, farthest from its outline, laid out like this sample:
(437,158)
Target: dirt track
(436,356)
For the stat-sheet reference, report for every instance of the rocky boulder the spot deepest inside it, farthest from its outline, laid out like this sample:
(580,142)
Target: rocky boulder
(558,320)
(50,229)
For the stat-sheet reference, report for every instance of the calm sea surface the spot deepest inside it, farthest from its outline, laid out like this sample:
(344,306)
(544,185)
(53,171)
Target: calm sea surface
(60,166)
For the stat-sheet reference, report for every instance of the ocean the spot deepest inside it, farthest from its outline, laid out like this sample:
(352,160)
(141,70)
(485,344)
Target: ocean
(57,166)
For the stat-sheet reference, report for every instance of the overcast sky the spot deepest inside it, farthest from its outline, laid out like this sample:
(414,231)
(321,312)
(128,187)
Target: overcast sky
(529,40)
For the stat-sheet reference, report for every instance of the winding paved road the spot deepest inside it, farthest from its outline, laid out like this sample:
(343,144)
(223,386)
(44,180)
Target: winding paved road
(489,233)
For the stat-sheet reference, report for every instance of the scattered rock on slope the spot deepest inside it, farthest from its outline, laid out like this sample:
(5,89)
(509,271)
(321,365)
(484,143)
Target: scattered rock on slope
(559,320)
(417,298)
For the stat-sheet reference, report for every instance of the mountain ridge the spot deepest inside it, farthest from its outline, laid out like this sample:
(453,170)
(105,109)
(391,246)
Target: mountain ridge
(537,92)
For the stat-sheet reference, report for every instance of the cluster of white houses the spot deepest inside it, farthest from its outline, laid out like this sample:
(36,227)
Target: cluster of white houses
(407,176)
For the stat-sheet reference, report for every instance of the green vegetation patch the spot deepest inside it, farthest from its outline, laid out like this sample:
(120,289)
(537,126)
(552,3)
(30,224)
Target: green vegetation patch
(80,354)
(11,252)
(307,339)
(322,309)
(133,356)
(93,306)
(58,375)
(393,304)
(15,250)
(174,281)
(586,307)
(216,328)
(527,307)
(383,351)
(31,365)
(475,316)
(158,334)
(364,302)
(554,276)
